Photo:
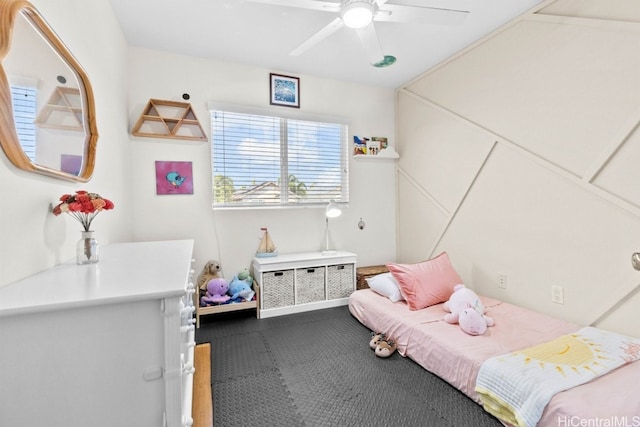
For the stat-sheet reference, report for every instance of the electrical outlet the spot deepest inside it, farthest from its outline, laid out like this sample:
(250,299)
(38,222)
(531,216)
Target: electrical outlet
(557,294)
(502,281)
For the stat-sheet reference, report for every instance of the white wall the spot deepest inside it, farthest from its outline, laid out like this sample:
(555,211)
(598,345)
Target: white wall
(232,237)
(519,157)
(32,238)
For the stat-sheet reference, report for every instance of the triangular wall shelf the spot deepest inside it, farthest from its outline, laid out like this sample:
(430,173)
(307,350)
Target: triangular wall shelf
(63,110)
(169,119)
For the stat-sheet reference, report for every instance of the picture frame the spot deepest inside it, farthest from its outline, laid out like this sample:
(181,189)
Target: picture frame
(284,90)
(174,178)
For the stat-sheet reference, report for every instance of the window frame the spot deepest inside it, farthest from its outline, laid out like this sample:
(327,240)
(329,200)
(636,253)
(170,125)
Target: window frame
(284,116)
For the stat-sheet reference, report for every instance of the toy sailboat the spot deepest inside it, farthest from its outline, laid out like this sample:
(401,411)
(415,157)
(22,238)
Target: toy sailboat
(266,248)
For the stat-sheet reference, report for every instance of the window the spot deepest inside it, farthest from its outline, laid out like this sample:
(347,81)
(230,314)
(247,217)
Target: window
(23,100)
(269,161)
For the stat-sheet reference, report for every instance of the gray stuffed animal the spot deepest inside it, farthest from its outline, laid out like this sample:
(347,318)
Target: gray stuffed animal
(211,270)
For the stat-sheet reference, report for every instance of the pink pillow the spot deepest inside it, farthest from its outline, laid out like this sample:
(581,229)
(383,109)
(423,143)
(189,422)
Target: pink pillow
(426,283)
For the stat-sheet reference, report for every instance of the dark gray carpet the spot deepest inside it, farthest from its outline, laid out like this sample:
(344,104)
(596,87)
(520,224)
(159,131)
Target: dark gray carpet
(316,369)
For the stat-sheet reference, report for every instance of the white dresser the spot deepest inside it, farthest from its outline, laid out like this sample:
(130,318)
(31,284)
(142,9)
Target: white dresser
(108,344)
(296,282)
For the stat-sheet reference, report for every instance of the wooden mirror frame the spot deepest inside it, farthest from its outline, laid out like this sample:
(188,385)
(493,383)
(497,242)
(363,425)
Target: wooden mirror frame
(9,10)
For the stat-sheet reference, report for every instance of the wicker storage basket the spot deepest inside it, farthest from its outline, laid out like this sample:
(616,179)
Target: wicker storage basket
(277,289)
(340,281)
(309,285)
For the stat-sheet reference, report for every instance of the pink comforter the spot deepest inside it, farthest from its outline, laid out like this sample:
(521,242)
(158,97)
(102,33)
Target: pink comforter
(456,357)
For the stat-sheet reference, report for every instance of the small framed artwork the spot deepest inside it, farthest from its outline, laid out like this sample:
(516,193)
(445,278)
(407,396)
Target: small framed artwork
(285,90)
(174,178)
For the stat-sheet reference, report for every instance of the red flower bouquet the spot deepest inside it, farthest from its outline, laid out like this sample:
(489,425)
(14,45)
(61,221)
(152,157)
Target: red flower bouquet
(83,206)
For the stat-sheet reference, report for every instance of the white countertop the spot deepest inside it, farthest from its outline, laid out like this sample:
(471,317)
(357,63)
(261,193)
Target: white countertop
(125,272)
(304,259)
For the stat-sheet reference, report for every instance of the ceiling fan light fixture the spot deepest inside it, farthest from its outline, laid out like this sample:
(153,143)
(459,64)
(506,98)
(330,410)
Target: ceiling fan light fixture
(357,14)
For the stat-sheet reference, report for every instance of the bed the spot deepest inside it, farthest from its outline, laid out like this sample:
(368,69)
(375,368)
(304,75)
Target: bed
(444,349)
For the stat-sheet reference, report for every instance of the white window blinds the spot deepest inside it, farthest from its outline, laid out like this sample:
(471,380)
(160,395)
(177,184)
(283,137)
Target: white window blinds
(24,112)
(269,161)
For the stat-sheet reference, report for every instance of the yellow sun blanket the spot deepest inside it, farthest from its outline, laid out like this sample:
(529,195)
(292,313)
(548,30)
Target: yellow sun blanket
(516,387)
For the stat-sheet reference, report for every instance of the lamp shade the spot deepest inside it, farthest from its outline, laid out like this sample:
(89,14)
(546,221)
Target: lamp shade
(357,14)
(332,210)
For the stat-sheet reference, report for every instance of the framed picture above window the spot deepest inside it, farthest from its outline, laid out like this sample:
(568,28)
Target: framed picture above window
(285,90)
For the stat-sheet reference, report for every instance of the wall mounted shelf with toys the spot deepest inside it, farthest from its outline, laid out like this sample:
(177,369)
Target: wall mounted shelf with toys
(373,148)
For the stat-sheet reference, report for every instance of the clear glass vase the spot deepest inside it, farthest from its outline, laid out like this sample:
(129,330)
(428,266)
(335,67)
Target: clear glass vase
(87,249)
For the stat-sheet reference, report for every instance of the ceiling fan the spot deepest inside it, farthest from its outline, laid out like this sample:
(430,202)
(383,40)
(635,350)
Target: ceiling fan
(359,15)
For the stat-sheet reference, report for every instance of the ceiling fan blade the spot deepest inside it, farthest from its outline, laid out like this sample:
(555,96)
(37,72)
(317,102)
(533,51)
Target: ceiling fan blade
(322,5)
(422,14)
(329,29)
(460,5)
(369,39)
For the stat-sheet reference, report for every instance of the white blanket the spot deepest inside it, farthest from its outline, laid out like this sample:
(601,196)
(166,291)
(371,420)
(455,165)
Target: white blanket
(516,387)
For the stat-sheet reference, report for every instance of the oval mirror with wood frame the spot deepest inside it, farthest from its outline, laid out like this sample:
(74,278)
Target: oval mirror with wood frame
(47,112)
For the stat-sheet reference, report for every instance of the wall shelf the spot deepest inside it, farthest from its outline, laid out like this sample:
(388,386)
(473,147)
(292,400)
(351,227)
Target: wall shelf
(169,119)
(63,110)
(388,153)
(377,157)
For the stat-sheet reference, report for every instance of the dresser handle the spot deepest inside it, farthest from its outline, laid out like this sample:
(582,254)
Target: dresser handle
(188,369)
(188,328)
(188,310)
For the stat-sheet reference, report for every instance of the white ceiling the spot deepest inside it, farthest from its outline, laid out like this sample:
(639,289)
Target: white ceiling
(263,35)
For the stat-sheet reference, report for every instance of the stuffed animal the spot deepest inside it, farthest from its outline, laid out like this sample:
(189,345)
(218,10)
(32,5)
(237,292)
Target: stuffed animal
(465,308)
(216,292)
(211,270)
(244,275)
(473,322)
(240,287)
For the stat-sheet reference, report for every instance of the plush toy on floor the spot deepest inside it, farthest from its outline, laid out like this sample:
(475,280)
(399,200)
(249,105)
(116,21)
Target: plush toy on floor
(465,308)
(216,293)
(375,339)
(240,287)
(381,345)
(385,348)
(211,270)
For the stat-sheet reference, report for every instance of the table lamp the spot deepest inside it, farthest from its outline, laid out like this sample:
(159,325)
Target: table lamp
(332,211)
